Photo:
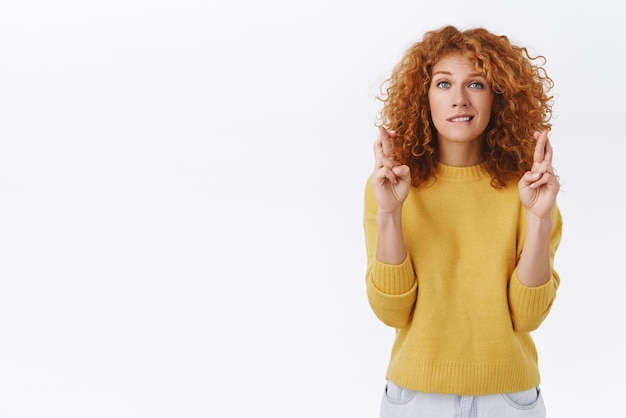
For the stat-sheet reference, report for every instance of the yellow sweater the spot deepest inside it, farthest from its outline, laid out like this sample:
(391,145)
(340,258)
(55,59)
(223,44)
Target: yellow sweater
(462,317)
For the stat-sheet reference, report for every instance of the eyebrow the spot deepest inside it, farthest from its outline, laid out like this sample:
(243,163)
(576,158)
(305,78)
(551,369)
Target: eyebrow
(476,74)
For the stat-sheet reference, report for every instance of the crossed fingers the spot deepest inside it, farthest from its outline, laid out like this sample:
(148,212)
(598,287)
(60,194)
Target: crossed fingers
(383,153)
(542,160)
(543,149)
(383,150)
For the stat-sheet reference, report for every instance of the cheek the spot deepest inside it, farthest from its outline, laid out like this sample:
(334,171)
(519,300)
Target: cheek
(486,111)
(437,109)
(433,108)
(436,122)
(489,104)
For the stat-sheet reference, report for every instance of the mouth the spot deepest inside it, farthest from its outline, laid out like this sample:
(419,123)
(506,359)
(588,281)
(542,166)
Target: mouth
(464,118)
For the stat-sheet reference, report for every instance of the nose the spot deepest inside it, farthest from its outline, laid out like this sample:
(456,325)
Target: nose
(460,99)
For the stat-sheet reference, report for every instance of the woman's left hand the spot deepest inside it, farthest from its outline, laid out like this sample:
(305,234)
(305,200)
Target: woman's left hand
(539,187)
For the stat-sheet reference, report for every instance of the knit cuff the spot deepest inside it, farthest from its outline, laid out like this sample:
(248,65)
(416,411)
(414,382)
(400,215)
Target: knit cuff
(530,305)
(533,300)
(393,279)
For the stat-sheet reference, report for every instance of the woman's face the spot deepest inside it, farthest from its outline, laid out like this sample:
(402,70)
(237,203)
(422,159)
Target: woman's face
(460,103)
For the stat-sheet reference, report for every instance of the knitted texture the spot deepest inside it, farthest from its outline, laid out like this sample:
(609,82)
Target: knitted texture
(462,317)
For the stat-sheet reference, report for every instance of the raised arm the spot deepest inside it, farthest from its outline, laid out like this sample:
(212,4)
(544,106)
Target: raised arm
(533,287)
(390,278)
(538,189)
(390,183)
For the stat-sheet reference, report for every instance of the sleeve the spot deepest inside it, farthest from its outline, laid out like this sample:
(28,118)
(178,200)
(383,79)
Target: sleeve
(529,306)
(391,289)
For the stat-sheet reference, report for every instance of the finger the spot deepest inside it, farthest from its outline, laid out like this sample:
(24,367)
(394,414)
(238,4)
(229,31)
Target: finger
(386,173)
(543,167)
(541,180)
(540,146)
(545,179)
(402,172)
(377,148)
(529,177)
(549,151)
(380,177)
(380,158)
(385,136)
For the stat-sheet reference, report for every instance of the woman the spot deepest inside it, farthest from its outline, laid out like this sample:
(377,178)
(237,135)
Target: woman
(462,225)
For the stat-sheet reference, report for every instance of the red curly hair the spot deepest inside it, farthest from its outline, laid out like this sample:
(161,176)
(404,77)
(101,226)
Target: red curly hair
(521,105)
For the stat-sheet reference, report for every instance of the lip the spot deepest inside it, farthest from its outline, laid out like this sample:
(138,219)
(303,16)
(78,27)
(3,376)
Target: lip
(462,118)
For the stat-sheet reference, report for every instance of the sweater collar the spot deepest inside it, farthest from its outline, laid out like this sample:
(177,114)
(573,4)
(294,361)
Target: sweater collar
(471,173)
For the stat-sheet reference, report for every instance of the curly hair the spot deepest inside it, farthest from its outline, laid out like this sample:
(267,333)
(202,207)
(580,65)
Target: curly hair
(521,105)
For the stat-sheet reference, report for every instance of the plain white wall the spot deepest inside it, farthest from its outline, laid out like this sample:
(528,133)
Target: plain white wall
(181,198)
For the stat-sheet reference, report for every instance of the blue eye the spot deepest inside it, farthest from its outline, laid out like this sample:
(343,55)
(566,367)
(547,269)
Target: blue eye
(476,85)
(443,84)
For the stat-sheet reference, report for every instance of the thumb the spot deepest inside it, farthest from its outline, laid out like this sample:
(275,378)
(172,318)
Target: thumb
(403,172)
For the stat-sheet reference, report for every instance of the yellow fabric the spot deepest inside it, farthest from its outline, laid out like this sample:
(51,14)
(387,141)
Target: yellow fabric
(462,317)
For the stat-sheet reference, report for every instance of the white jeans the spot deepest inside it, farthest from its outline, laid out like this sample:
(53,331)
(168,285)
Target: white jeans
(404,403)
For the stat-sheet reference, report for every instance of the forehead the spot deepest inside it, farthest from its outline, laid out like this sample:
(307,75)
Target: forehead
(455,63)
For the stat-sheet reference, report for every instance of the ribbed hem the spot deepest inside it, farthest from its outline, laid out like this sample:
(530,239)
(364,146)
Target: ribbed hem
(463,378)
(393,279)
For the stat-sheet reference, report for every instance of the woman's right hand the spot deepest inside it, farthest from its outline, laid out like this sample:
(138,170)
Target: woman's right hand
(391,182)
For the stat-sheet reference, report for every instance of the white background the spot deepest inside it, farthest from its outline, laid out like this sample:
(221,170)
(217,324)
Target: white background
(181,199)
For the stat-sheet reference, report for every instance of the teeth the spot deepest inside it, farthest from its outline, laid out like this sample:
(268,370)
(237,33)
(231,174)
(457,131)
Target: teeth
(463,119)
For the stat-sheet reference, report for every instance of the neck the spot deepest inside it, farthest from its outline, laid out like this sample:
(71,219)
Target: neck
(461,155)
